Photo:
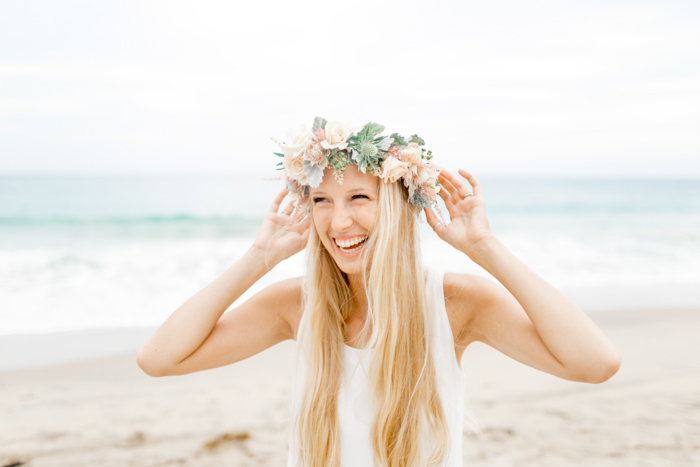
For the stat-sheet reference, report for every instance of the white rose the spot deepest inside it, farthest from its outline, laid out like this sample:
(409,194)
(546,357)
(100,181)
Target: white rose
(337,135)
(298,139)
(294,167)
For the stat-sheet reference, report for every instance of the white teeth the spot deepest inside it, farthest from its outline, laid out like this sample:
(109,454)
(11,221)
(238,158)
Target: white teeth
(346,250)
(351,242)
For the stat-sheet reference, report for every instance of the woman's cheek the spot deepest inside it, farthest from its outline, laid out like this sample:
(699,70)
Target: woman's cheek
(321,219)
(369,215)
(366,219)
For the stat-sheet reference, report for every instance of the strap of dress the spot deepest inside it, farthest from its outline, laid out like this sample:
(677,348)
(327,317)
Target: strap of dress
(441,331)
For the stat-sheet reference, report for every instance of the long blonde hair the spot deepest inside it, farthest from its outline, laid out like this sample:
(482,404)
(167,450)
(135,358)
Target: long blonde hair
(402,373)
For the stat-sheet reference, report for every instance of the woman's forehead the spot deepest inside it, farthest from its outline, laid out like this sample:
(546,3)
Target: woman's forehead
(353,179)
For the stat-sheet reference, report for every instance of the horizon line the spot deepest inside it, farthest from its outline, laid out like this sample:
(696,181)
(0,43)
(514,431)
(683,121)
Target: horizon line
(268,174)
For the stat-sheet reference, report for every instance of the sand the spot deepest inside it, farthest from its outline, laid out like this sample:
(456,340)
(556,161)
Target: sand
(106,412)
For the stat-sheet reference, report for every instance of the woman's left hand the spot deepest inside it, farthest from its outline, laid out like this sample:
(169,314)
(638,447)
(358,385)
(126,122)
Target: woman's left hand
(468,228)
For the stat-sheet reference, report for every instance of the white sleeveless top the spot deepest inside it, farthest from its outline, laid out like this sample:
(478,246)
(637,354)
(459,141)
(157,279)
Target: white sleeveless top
(354,398)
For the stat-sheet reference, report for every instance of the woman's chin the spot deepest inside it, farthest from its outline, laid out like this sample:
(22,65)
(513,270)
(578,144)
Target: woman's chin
(351,265)
(348,262)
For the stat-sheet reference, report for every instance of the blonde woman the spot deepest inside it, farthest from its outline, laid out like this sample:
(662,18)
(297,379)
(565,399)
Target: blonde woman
(380,336)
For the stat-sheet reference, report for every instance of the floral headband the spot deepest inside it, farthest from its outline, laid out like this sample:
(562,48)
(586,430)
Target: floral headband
(308,151)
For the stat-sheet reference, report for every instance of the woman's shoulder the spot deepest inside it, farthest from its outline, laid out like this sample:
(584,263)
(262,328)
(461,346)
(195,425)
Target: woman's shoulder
(288,294)
(459,286)
(464,296)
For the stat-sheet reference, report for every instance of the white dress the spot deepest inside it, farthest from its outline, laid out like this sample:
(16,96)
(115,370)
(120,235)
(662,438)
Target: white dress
(354,398)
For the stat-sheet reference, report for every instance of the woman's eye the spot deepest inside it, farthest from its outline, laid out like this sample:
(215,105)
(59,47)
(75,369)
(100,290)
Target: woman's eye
(318,200)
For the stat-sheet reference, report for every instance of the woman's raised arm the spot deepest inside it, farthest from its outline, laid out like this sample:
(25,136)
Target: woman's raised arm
(534,323)
(196,336)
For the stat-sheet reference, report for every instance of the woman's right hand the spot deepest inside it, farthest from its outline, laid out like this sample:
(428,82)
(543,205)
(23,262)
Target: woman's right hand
(196,336)
(280,235)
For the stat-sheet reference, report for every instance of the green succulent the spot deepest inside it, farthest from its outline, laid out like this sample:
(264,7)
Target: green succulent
(364,147)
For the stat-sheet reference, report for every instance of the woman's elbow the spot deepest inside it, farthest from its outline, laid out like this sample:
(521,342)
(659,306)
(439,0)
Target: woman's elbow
(606,369)
(149,366)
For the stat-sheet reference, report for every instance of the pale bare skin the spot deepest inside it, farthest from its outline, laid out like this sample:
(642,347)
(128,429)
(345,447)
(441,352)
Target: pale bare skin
(526,318)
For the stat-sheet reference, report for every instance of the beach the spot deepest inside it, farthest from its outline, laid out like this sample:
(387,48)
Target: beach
(107,412)
(90,266)
(143,145)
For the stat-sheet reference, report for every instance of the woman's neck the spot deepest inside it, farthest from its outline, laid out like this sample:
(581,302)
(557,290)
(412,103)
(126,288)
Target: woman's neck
(360,304)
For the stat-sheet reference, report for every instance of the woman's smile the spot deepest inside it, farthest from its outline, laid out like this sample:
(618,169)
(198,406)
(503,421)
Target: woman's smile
(349,246)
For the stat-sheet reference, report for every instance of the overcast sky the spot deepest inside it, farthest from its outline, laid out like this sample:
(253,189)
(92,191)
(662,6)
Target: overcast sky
(542,88)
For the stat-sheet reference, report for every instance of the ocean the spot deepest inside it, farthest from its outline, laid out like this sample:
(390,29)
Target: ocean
(103,252)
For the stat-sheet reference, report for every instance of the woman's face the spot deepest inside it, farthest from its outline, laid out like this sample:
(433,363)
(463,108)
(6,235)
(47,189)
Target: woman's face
(344,214)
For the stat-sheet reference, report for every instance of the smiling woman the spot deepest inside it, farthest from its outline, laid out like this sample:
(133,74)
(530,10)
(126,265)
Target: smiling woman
(366,294)
(344,214)
(352,312)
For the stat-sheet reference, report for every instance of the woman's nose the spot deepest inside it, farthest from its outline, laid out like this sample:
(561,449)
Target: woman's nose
(342,220)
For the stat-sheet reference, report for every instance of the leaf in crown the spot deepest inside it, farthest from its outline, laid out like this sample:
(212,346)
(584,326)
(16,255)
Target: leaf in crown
(367,154)
(314,174)
(338,158)
(370,130)
(319,122)
(415,139)
(352,155)
(367,162)
(398,139)
(419,199)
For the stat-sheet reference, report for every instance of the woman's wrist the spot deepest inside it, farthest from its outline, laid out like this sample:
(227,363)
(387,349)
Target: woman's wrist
(260,258)
(481,251)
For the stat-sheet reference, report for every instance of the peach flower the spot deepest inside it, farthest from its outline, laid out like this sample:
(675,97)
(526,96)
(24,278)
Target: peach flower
(294,167)
(314,154)
(411,153)
(393,169)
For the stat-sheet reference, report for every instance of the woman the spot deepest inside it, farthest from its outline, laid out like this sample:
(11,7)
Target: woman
(367,302)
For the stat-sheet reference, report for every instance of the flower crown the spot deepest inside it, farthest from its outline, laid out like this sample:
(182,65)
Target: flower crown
(308,151)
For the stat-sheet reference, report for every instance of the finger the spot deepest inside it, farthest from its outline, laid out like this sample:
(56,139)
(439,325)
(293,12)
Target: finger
(462,189)
(445,195)
(288,208)
(447,198)
(444,181)
(476,186)
(451,190)
(433,220)
(305,237)
(302,212)
(275,206)
(303,224)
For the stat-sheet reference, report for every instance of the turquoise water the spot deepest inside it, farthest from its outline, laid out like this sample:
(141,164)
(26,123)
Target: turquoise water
(107,251)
